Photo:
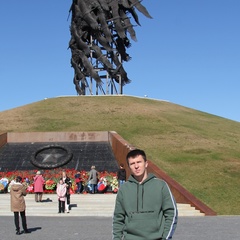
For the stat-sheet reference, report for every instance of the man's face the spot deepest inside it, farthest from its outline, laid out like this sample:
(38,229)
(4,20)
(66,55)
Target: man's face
(138,166)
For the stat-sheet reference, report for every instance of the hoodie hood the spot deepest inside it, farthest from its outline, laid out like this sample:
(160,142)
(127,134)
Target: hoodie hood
(149,177)
(140,190)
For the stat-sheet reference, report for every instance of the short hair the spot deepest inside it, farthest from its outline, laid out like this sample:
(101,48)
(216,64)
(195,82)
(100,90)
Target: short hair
(136,152)
(121,165)
(18,179)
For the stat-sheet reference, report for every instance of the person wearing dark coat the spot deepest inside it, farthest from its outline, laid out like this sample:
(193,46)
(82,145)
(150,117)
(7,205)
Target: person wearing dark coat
(78,182)
(93,179)
(17,193)
(121,175)
(68,183)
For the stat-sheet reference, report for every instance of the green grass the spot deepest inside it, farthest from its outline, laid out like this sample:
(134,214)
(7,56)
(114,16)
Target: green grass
(199,150)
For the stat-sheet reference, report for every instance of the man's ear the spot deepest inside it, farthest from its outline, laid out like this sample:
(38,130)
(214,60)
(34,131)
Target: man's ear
(146,164)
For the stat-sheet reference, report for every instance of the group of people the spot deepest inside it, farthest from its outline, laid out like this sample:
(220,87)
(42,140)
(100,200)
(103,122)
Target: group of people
(91,187)
(63,190)
(18,190)
(144,209)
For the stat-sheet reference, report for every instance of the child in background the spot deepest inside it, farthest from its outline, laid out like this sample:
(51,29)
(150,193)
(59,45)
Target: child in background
(61,193)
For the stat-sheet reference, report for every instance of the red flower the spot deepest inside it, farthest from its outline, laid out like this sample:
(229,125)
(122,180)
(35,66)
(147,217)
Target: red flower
(52,177)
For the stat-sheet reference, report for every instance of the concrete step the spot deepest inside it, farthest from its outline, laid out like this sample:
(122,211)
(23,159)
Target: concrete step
(81,205)
(185,210)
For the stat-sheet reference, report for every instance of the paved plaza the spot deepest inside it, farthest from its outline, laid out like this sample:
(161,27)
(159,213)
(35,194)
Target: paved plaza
(99,228)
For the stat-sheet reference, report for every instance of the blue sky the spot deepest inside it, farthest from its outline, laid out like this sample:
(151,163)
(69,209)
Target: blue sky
(188,54)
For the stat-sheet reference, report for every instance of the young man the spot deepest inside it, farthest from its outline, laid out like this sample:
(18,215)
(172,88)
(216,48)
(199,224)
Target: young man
(145,207)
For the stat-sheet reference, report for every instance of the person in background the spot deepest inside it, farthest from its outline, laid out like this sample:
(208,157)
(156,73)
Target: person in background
(38,182)
(17,193)
(27,180)
(61,193)
(78,181)
(121,175)
(68,183)
(145,207)
(93,179)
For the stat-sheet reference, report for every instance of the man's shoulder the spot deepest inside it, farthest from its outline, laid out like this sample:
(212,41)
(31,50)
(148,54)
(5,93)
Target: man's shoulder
(156,179)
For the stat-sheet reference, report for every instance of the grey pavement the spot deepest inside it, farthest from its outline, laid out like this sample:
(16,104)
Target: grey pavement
(99,228)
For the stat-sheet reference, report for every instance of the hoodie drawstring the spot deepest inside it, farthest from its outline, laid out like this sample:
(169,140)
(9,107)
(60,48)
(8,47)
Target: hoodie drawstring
(137,195)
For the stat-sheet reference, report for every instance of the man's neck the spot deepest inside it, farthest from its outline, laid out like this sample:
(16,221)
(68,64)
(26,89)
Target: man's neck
(141,179)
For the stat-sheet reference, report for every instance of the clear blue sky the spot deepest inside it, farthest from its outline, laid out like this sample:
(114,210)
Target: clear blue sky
(188,54)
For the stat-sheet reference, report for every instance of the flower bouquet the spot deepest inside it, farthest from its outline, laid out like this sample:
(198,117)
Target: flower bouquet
(1,187)
(50,186)
(102,185)
(3,184)
(114,184)
(30,188)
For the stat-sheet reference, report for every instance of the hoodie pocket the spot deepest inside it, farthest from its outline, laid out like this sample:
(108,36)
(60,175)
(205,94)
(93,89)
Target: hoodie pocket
(143,223)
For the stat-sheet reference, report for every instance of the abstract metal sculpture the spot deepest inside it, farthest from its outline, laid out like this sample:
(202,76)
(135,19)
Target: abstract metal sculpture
(99,38)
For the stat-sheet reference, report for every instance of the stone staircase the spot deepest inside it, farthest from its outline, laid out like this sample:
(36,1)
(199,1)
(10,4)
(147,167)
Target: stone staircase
(186,210)
(98,205)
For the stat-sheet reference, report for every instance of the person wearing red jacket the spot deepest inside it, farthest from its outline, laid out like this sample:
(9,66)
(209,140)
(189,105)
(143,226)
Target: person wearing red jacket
(38,182)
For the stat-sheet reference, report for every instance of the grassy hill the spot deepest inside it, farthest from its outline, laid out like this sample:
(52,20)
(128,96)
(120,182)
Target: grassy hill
(199,150)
